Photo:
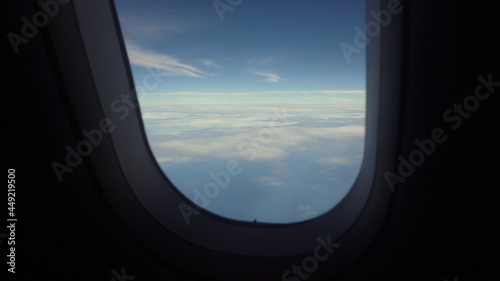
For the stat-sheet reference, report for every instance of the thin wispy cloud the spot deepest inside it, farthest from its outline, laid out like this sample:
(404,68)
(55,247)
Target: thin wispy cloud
(169,65)
(211,63)
(270,77)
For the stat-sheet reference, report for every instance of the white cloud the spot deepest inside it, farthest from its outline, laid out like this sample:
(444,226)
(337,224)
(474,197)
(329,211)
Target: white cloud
(269,181)
(168,65)
(304,207)
(341,99)
(168,161)
(208,62)
(248,144)
(350,131)
(335,161)
(224,147)
(271,77)
(307,213)
(251,133)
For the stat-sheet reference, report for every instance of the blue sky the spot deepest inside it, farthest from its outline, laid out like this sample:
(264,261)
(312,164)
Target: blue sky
(210,88)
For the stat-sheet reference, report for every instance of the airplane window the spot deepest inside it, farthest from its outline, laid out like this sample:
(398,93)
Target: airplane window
(254,110)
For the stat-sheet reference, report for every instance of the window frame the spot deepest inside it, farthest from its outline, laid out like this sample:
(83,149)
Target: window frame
(146,203)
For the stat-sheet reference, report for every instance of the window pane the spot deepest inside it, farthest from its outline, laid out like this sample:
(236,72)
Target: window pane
(255,110)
